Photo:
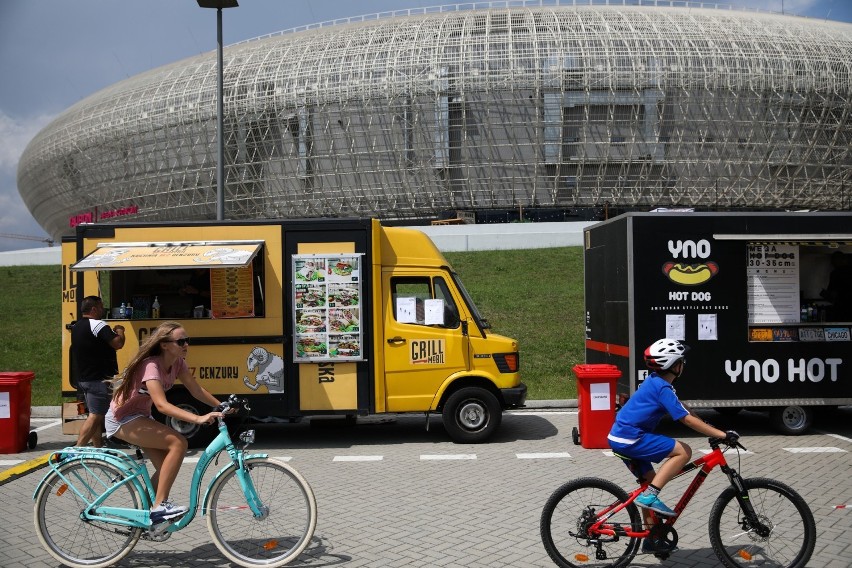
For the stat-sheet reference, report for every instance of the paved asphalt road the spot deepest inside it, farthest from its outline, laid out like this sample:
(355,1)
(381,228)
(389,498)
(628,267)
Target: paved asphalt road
(390,493)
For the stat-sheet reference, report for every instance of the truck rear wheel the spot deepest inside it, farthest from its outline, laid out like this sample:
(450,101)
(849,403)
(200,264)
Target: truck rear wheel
(198,436)
(791,420)
(471,415)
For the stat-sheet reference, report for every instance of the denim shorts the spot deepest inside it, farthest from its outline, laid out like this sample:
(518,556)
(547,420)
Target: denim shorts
(111,425)
(97,396)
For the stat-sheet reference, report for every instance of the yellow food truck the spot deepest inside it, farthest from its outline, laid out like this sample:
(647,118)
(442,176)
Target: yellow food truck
(303,318)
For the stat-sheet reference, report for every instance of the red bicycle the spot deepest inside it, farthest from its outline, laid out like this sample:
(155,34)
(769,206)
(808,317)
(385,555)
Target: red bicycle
(754,522)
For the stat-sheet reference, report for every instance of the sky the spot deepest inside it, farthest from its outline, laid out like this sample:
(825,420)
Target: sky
(54,53)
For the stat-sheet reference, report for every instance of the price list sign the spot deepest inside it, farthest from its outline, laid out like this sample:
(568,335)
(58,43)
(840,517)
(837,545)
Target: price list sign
(773,283)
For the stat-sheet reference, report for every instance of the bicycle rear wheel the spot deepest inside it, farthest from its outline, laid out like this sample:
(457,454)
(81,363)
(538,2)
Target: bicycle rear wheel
(281,534)
(58,515)
(789,523)
(567,515)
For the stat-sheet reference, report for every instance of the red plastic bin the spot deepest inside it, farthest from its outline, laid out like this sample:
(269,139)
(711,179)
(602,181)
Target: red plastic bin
(596,404)
(15,395)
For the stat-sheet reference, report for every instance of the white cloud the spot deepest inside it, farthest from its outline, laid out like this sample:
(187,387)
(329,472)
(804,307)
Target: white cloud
(15,218)
(15,134)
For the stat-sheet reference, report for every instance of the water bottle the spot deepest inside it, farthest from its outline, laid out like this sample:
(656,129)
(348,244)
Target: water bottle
(155,308)
(122,311)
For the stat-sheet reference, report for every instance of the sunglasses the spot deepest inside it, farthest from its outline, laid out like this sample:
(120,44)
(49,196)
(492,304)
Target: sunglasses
(181,342)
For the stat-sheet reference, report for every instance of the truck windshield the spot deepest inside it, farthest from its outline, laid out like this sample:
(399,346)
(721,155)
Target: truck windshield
(480,321)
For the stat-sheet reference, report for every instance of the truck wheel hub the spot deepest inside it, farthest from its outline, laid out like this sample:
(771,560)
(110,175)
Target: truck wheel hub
(472,415)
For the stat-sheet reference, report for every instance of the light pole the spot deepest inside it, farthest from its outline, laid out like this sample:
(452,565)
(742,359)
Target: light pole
(220,95)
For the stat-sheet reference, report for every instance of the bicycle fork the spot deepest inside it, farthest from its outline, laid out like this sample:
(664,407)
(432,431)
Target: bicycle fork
(750,521)
(259,510)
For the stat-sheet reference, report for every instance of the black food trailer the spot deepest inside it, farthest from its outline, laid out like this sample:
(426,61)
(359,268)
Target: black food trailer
(749,292)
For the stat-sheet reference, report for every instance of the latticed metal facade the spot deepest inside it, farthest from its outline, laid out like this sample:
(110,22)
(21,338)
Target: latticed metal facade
(509,105)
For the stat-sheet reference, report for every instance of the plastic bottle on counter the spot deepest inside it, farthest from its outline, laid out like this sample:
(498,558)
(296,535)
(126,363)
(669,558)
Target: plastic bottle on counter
(122,311)
(129,313)
(155,308)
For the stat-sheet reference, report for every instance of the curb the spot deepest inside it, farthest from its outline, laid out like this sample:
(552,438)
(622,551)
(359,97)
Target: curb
(56,411)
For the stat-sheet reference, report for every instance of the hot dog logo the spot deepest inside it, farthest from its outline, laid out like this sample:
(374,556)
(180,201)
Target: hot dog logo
(690,274)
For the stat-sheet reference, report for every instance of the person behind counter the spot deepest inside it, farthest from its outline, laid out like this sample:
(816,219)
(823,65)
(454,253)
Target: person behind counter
(153,371)
(93,345)
(839,289)
(198,288)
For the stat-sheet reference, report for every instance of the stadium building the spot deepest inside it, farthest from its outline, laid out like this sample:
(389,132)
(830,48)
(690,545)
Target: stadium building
(517,107)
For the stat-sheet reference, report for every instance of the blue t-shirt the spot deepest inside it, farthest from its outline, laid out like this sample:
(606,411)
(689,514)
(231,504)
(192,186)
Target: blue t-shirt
(654,398)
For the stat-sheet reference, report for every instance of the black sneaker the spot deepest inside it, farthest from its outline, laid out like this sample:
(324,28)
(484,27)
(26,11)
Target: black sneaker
(165,511)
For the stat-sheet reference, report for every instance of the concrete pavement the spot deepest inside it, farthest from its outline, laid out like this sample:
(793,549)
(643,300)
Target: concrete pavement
(390,493)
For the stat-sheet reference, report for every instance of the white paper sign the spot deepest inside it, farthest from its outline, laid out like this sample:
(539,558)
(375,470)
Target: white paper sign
(406,310)
(676,326)
(5,405)
(600,396)
(434,312)
(707,329)
(773,283)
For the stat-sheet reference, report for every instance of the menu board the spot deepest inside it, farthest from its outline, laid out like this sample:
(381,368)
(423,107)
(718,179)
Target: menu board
(232,292)
(773,283)
(327,307)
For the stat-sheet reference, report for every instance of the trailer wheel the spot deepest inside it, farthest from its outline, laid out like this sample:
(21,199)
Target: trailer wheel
(791,420)
(471,415)
(575,436)
(196,435)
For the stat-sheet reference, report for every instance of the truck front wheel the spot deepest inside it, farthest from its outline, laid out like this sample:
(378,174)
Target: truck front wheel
(791,420)
(471,415)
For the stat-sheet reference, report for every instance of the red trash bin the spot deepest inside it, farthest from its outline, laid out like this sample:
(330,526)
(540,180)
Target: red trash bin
(15,394)
(596,404)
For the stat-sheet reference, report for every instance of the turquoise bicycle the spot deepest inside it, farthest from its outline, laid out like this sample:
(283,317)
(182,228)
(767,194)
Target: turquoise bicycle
(94,505)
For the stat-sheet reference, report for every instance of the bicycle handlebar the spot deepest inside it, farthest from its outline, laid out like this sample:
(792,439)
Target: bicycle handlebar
(731,443)
(233,402)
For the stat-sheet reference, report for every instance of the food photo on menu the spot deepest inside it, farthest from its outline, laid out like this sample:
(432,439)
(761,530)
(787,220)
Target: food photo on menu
(343,295)
(310,270)
(345,346)
(310,296)
(310,321)
(344,269)
(311,346)
(343,320)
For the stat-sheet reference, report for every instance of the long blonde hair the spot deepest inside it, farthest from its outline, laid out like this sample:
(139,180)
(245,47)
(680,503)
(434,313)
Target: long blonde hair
(151,347)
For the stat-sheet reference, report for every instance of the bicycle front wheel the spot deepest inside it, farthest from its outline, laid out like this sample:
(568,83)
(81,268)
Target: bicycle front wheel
(284,530)
(59,522)
(570,511)
(784,534)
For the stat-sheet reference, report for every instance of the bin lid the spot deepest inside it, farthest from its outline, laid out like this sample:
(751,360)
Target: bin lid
(597,371)
(15,377)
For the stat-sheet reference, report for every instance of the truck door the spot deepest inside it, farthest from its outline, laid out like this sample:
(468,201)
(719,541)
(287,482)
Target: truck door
(424,339)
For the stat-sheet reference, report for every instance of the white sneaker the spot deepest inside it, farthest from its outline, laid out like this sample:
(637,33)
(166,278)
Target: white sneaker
(165,511)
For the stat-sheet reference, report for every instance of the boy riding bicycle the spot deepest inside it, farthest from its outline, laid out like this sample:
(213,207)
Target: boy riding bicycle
(632,436)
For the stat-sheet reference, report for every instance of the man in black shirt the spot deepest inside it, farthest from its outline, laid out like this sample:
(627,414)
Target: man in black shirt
(93,345)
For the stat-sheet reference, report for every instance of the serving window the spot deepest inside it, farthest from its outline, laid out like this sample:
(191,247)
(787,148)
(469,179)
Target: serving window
(799,290)
(187,280)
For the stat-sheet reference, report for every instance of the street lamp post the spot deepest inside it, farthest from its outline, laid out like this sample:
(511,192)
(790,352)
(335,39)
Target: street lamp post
(220,135)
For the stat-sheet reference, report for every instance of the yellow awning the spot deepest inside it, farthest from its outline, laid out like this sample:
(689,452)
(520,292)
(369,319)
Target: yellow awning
(134,256)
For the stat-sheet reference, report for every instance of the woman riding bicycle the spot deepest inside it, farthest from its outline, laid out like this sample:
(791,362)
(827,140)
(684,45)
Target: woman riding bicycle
(632,436)
(152,372)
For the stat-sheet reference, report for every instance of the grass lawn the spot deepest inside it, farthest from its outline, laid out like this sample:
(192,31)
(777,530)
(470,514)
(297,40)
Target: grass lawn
(31,334)
(534,296)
